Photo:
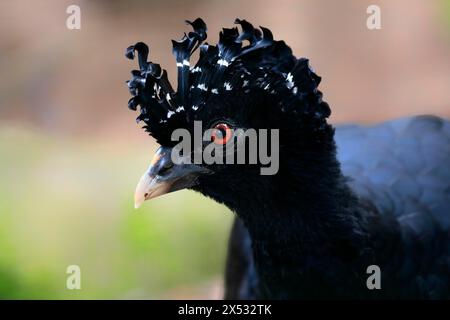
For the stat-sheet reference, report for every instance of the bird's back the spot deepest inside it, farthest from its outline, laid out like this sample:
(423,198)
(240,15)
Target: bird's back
(403,168)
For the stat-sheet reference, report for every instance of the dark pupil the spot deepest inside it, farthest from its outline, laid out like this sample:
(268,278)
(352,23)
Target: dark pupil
(221,133)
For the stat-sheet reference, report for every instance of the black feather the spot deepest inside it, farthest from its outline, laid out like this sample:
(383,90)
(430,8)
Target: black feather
(227,67)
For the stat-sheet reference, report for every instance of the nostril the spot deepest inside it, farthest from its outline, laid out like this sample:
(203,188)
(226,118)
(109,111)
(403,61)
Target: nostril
(146,195)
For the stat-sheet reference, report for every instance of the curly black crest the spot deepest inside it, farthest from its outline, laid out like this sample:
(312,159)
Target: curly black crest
(229,67)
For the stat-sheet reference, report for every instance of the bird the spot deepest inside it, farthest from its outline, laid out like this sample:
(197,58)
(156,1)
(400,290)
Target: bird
(344,200)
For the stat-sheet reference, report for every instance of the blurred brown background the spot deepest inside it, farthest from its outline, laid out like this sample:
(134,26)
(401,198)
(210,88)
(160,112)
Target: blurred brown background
(72,81)
(71,153)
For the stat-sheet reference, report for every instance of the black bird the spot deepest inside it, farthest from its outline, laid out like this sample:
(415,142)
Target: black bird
(341,201)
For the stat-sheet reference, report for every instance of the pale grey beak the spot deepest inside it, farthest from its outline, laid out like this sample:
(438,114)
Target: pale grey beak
(149,188)
(163,176)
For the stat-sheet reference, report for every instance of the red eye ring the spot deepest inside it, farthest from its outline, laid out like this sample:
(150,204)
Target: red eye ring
(221,133)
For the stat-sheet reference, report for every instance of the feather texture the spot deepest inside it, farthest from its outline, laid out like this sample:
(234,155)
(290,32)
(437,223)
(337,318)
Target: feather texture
(229,66)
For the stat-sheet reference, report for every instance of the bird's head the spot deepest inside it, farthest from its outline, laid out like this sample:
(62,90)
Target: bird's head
(246,91)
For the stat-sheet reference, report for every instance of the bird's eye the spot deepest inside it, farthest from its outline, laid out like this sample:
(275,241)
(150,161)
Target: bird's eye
(221,133)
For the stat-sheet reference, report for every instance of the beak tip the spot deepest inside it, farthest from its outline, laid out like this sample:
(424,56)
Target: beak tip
(138,203)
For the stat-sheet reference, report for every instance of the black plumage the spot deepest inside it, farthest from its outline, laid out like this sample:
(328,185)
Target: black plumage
(398,171)
(342,199)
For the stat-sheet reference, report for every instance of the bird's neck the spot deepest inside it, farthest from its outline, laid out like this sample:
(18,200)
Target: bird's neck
(304,223)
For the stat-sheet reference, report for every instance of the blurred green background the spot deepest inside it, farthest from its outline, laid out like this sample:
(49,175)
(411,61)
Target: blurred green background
(65,202)
(71,153)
